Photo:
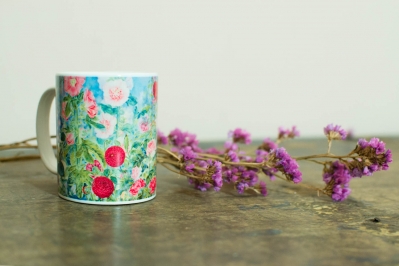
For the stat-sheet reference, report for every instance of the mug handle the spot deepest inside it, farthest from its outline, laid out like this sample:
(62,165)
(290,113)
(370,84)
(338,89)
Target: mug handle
(43,131)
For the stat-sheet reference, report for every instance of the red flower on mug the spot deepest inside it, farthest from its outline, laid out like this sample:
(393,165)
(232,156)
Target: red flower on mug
(70,138)
(135,188)
(155,90)
(73,85)
(114,156)
(153,184)
(102,187)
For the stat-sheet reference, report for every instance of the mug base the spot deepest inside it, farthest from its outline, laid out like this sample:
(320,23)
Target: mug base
(107,203)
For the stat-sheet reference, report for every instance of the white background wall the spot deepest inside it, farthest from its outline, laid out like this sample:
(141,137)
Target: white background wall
(221,63)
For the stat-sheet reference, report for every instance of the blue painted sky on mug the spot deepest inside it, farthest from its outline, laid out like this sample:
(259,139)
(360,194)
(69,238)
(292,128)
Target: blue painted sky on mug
(140,87)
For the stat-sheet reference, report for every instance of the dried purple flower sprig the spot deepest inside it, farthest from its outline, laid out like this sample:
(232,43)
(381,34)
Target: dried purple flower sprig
(214,167)
(367,157)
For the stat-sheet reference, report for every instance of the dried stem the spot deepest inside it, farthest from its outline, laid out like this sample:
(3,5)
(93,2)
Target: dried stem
(325,155)
(301,184)
(180,173)
(168,152)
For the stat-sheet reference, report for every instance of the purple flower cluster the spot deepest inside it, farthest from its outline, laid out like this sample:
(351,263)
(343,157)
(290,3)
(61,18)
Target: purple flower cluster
(215,167)
(335,132)
(187,153)
(229,145)
(288,133)
(211,177)
(268,145)
(232,156)
(372,157)
(263,189)
(337,178)
(240,136)
(375,157)
(374,143)
(247,179)
(285,164)
(181,139)
(162,138)
(241,176)
(198,185)
(261,156)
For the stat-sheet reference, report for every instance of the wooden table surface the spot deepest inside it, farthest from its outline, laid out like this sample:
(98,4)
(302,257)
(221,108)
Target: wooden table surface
(183,226)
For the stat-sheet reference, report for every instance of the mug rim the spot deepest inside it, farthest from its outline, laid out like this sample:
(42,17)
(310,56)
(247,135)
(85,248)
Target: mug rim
(104,74)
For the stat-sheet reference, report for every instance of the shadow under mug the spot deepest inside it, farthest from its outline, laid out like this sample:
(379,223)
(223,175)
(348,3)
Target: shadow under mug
(106,136)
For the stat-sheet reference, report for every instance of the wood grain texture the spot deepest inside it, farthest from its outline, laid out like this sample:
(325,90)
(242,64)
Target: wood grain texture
(182,226)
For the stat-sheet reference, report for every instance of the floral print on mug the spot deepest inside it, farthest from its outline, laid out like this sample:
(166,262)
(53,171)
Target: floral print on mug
(107,138)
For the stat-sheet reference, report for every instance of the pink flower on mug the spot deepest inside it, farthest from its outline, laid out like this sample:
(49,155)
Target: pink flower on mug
(70,138)
(89,167)
(109,123)
(63,109)
(73,85)
(151,147)
(98,165)
(153,184)
(92,110)
(88,97)
(144,126)
(102,187)
(135,188)
(136,171)
(90,103)
(115,156)
(116,90)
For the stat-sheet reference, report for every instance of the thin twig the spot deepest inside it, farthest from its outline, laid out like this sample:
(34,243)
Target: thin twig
(166,160)
(303,185)
(169,152)
(212,156)
(325,155)
(180,173)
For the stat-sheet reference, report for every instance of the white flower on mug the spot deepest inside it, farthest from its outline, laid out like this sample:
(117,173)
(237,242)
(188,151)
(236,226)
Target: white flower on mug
(116,91)
(109,122)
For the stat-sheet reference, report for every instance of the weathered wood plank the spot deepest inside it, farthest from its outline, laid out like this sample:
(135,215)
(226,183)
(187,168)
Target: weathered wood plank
(182,226)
